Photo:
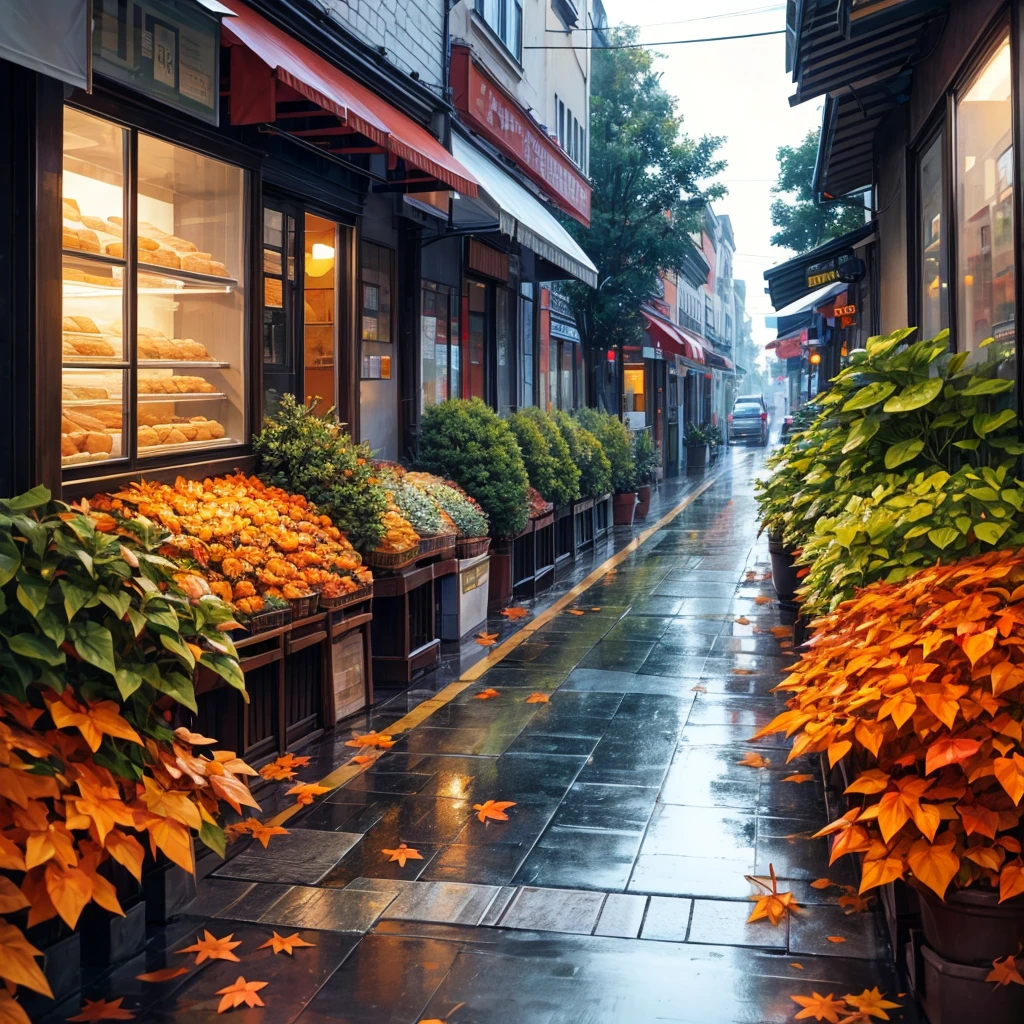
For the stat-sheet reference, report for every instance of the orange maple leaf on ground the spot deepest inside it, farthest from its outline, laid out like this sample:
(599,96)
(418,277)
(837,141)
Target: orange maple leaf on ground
(822,883)
(781,632)
(754,760)
(743,672)
(574,611)
(487,639)
(774,905)
(305,791)
(363,758)
(264,832)
(210,948)
(493,809)
(698,689)
(164,974)
(401,854)
(742,621)
(835,938)
(100,1009)
(514,613)
(871,1003)
(798,778)
(241,991)
(274,772)
(819,1007)
(487,694)
(371,739)
(284,944)
(854,904)
(762,599)
(1005,972)
(538,698)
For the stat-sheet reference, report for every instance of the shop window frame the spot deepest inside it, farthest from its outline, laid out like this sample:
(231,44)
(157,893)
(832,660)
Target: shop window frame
(165,126)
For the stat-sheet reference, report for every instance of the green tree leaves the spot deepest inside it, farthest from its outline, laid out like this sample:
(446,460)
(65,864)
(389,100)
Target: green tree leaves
(916,396)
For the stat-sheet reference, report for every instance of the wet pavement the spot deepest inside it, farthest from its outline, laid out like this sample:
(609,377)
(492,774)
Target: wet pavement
(615,891)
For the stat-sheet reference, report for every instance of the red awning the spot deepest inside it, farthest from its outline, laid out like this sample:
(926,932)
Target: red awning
(268,66)
(672,339)
(695,350)
(789,346)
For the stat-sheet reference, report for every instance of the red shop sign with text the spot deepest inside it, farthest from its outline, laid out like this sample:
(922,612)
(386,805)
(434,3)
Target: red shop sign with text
(492,112)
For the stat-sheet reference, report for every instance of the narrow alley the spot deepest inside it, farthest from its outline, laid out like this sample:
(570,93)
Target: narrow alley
(615,891)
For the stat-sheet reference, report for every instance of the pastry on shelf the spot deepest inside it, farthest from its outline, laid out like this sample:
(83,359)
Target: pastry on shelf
(198,428)
(175,385)
(80,238)
(91,442)
(79,276)
(97,419)
(83,392)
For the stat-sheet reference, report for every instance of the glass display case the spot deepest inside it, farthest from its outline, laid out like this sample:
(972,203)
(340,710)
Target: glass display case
(176,382)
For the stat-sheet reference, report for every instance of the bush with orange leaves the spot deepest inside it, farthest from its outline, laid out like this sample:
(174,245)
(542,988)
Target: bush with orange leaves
(98,646)
(921,686)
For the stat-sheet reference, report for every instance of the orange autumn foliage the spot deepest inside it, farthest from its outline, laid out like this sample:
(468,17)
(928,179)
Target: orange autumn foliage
(923,682)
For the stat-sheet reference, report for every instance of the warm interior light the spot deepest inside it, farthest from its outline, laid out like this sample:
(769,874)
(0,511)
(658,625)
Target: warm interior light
(322,252)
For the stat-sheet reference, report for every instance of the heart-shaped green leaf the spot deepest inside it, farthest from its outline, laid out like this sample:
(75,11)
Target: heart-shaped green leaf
(902,452)
(869,395)
(943,536)
(915,397)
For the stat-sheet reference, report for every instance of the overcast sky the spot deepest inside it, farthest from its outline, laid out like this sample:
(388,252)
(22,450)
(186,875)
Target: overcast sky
(738,89)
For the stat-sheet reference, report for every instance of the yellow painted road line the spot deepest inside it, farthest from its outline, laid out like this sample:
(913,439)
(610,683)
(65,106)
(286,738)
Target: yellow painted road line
(346,772)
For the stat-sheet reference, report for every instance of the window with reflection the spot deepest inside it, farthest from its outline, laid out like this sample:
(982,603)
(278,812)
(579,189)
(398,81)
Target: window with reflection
(934,298)
(984,167)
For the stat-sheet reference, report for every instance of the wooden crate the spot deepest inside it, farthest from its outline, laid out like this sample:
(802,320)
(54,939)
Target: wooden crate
(602,516)
(583,525)
(565,541)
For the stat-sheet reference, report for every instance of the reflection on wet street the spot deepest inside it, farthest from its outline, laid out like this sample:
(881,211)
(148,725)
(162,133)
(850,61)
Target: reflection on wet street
(615,891)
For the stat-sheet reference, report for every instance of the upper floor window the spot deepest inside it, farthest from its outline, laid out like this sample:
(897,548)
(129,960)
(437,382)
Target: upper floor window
(571,134)
(505,19)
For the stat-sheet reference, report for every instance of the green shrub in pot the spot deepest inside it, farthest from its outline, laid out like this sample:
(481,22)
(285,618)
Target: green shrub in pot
(646,457)
(588,455)
(614,437)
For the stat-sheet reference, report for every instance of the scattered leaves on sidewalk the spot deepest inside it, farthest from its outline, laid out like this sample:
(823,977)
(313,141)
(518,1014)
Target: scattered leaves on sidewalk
(402,853)
(283,768)
(835,938)
(819,1007)
(871,1003)
(241,991)
(100,1009)
(512,613)
(853,903)
(263,833)
(742,621)
(210,948)
(305,791)
(574,611)
(781,632)
(364,758)
(698,689)
(487,694)
(538,698)
(797,967)
(754,760)
(371,739)
(487,639)
(1005,972)
(164,974)
(493,809)
(774,905)
(762,599)
(798,778)
(284,944)
(822,883)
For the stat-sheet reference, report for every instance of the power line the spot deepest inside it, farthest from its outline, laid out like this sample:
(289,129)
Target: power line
(751,11)
(667,42)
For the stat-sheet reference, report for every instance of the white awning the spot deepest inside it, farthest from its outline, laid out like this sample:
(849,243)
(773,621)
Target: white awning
(520,215)
(816,298)
(48,36)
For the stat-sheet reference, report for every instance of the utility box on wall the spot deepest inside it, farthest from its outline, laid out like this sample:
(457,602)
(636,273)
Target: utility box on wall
(464,598)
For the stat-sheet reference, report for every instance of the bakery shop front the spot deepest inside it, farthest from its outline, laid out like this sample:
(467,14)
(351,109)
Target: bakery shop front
(209,184)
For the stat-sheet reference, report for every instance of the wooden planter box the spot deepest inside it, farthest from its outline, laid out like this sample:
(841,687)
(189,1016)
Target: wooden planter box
(565,540)
(500,593)
(524,566)
(583,525)
(602,516)
(405,628)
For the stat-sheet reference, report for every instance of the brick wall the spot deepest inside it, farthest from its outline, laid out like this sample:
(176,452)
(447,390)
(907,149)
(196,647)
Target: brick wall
(410,30)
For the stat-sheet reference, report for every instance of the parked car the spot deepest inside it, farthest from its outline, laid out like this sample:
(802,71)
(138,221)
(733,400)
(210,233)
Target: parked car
(748,420)
(788,423)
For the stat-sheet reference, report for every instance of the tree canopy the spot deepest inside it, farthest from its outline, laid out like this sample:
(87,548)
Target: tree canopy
(803,222)
(651,182)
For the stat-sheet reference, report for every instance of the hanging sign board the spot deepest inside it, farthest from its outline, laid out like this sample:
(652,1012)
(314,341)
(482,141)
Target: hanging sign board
(166,49)
(843,267)
(839,311)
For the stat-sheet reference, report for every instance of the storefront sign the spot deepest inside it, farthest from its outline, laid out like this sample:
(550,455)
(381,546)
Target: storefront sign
(167,50)
(849,310)
(843,267)
(653,353)
(485,260)
(567,332)
(499,118)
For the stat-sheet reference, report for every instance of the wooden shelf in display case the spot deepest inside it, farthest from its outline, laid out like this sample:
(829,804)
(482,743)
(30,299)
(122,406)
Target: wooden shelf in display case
(211,281)
(190,446)
(174,364)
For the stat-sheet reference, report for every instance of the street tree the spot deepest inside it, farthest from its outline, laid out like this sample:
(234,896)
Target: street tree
(651,182)
(803,222)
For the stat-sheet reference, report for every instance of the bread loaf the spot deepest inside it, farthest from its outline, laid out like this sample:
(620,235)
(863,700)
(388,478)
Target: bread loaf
(71,210)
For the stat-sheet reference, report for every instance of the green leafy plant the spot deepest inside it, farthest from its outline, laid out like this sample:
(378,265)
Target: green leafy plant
(549,463)
(588,455)
(469,519)
(314,456)
(418,507)
(910,460)
(614,438)
(646,456)
(695,435)
(467,442)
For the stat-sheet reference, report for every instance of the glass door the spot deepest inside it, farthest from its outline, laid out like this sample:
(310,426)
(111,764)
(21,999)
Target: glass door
(280,294)
(319,330)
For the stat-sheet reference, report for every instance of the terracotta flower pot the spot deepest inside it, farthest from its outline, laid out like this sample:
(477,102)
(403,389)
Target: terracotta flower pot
(644,503)
(784,577)
(623,507)
(971,926)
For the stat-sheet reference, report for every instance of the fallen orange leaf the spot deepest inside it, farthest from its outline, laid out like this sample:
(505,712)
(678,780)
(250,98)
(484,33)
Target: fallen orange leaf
(100,1009)
(363,758)
(762,599)
(854,904)
(487,639)
(401,854)
(165,974)
(742,621)
(798,778)
(264,832)
(515,613)
(284,944)
(774,905)
(371,739)
(210,948)
(241,991)
(822,883)
(835,938)
(487,694)
(781,631)
(274,772)
(1005,972)
(798,967)
(754,760)
(305,791)
(742,671)
(538,698)
(574,611)
(493,809)
(871,1003)
(595,609)
(698,689)
(819,1007)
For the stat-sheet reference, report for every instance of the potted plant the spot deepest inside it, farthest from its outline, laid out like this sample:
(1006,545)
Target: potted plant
(100,636)
(465,441)
(588,454)
(614,438)
(468,518)
(918,686)
(315,457)
(648,460)
(549,463)
(697,446)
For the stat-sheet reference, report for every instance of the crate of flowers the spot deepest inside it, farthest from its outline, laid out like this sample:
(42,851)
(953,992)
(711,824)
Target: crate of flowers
(467,518)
